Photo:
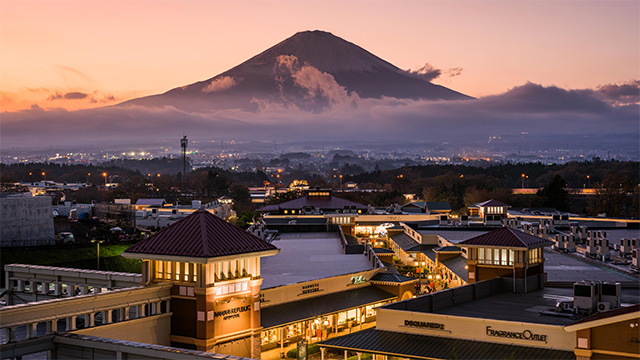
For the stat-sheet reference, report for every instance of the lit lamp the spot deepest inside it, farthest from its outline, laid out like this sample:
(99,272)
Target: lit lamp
(97,242)
(44,176)
(105,178)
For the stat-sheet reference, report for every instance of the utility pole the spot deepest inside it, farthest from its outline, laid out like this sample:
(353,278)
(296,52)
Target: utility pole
(183,144)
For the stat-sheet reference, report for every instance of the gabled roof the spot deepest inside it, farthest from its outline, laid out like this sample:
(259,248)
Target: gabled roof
(491,203)
(438,205)
(151,202)
(200,235)
(391,278)
(606,317)
(404,241)
(450,248)
(417,346)
(310,308)
(418,204)
(506,237)
(319,202)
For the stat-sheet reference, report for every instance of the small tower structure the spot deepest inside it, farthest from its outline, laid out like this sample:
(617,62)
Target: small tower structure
(215,271)
(506,253)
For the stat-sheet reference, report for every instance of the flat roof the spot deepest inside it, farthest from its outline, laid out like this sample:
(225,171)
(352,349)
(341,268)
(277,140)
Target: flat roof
(309,256)
(522,307)
(435,347)
(321,305)
(563,268)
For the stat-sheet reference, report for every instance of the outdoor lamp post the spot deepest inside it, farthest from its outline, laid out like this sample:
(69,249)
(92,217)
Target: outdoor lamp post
(105,178)
(98,242)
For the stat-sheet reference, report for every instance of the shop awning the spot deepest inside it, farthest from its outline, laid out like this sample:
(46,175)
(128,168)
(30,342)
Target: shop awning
(433,347)
(321,305)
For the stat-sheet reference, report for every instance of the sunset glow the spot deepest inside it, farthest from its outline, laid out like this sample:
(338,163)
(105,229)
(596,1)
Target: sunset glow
(79,54)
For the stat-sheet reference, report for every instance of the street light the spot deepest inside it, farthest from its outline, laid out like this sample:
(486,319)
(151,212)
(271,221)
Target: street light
(588,182)
(44,175)
(523,181)
(105,178)
(98,242)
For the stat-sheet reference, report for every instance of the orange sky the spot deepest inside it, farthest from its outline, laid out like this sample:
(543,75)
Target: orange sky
(80,54)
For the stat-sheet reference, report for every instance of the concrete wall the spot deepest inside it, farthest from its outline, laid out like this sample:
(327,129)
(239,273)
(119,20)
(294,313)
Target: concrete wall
(26,221)
(151,330)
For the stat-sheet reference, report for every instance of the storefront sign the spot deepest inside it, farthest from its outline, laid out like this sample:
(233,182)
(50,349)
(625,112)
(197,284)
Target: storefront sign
(311,288)
(232,313)
(358,279)
(424,325)
(525,335)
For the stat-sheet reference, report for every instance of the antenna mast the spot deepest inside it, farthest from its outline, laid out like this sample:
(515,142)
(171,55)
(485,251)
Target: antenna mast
(183,144)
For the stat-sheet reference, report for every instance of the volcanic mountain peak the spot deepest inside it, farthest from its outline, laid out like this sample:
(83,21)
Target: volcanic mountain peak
(308,70)
(324,51)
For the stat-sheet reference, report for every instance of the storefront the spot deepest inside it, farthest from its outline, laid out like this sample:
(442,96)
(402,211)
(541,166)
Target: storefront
(478,321)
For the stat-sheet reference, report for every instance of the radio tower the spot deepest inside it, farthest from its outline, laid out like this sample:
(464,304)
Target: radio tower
(183,144)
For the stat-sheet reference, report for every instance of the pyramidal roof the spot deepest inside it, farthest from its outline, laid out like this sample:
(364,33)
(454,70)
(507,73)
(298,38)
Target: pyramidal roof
(506,237)
(200,235)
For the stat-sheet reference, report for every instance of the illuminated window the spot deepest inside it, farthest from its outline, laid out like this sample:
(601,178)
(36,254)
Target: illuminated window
(177,272)
(159,270)
(512,257)
(481,255)
(195,272)
(186,271)
(496,256)
(503,257)
(245,286)
(168,269)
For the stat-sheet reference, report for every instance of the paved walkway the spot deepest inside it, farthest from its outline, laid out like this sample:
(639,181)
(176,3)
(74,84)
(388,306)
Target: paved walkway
(274,354)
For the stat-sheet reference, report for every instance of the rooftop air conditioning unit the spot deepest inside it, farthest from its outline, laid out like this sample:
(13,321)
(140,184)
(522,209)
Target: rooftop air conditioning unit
(603,306)
(610,293)
(625,247)
(585,296)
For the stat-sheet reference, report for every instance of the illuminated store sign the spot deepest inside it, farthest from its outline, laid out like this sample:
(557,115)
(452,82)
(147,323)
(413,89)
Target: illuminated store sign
(525,335)
(424,324)
(358,279)
(232,313)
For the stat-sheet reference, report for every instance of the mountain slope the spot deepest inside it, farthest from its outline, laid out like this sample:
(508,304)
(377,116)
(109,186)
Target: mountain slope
(311,70)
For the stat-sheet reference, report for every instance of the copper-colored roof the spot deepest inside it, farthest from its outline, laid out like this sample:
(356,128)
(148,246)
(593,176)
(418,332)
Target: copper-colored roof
(506,237)
(201,234)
